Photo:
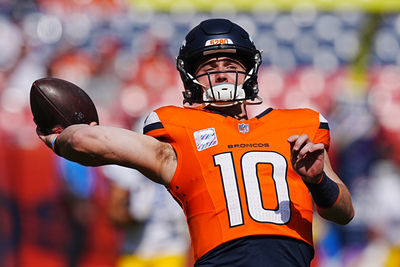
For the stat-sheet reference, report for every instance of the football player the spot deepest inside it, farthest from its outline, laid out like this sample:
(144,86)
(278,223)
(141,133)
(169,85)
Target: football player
(247,186)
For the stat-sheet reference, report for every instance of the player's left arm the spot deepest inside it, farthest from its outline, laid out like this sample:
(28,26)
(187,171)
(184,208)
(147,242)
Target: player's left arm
(311,162)
(342,211)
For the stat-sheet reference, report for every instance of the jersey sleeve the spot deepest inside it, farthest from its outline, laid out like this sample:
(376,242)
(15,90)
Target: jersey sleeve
(154,127)
(322,134)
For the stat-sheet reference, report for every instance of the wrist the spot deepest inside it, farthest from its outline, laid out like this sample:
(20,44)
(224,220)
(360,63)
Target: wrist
(325,192)
(314,180)
(54,144)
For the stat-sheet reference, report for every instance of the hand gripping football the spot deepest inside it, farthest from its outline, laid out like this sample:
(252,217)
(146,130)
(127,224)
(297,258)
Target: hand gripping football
(59,103)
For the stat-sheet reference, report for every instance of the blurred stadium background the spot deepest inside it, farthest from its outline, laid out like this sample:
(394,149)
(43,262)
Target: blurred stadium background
(339,57)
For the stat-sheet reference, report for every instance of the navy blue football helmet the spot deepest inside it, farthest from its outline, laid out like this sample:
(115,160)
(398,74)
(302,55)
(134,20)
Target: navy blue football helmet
(218,36)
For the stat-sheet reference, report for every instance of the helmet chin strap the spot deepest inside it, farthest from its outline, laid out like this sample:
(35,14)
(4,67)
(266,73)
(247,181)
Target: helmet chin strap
(225,94)
(256,101)
(220,93)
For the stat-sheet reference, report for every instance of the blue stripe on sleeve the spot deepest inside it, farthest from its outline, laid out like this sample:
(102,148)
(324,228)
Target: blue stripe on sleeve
(324,125)
(153,126)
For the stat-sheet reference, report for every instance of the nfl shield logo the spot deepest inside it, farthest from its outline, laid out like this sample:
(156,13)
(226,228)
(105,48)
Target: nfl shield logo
(243,128)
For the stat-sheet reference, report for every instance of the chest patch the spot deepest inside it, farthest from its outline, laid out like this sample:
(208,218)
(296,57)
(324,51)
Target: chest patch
(205,138)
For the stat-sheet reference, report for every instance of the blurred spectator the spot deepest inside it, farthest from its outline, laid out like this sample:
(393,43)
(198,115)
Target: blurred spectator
(40,226)
(104,82)
(94,240)
(154,228)
(10,229)
(97,8)
(72,64)
(149,77)
(377,205)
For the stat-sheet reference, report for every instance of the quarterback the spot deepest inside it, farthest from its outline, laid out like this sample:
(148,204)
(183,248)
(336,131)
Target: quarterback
(248,186)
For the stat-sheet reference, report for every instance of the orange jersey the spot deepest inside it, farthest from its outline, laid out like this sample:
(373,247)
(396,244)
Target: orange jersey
(234,178)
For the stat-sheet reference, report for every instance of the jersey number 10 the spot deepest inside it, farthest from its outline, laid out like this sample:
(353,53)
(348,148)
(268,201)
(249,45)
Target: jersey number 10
(249,162)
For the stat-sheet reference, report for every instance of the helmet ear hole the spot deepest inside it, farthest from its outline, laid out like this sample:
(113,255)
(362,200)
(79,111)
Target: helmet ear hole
(251,88)
(192,94)
(197,91)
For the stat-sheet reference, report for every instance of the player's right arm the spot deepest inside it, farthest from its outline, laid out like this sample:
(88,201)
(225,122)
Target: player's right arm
(101,145)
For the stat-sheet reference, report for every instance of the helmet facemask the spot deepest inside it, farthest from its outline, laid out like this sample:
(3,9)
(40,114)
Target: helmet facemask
(223,93)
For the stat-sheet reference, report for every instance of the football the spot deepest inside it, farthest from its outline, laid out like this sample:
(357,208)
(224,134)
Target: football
(59,103)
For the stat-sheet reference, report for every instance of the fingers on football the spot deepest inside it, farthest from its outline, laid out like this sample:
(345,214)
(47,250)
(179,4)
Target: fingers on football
(47,139)
(39,132)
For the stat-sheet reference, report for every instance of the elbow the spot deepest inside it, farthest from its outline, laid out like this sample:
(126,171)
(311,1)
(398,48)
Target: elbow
(341,216)
(348,217)
(344,210)
(343,220)
(345,217)
(348,211)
